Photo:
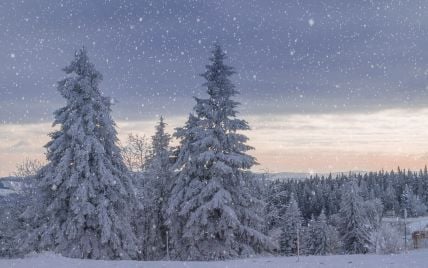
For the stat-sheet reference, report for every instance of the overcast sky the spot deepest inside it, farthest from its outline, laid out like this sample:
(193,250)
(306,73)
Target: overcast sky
(340,60)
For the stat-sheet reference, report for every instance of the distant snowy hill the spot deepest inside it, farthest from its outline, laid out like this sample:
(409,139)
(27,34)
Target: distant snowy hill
(4,191)
(414,259)
(10,185)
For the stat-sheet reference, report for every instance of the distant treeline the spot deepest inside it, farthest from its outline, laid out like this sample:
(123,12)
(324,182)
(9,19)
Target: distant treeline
(395,189)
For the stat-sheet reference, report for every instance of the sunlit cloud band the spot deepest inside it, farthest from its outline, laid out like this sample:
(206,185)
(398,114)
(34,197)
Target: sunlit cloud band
(297,142)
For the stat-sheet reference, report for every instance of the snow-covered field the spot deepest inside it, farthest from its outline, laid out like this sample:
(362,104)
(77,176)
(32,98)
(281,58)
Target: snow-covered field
(413,224)
(413,259)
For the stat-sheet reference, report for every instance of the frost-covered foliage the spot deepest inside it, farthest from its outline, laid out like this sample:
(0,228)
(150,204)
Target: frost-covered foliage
(276,197)
(291,229)
(373,209)
(390,201)
(10,225)
(11,207)
(389,240)
(320,238)
(324,192)
(87,198)
(380,193)
(155,187)
(212,214)
(354,225)
(412,203)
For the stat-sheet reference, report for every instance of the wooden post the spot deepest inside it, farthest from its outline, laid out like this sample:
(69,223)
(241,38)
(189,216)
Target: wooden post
(167,246)
(405,230)
(298,244)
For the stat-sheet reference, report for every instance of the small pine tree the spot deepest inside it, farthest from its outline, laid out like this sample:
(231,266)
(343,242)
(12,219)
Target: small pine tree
(389,199)
(87,197)
(415,207)
(11,206)
(275,197)
(212,213)
(310,237)
(320,237)
(292,226)
(354,226)
(374,210)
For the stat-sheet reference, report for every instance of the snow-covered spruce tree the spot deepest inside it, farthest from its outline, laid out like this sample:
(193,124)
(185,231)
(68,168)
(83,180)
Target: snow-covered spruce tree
(158,176)
(320,238)
(308,241)
(354,226)
(11,206)
(87,197)
(212,214)
(291,229)
(412,203)
(389,198)
(374,210)
(276,202)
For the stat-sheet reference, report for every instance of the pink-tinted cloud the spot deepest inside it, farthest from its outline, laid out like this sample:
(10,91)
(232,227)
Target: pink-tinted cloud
(298,142)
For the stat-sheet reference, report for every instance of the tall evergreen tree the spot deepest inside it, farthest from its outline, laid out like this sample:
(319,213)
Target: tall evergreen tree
(87,197)
(291,229)
(212,212)
(354,225)
(158,176)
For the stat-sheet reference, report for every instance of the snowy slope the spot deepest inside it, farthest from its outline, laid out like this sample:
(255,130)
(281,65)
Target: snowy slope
(4,192)
(10,184)
(414,259)
(413,224)
(417,224)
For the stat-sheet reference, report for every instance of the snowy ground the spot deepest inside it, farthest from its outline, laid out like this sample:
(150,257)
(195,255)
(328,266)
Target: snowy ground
(413,259)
